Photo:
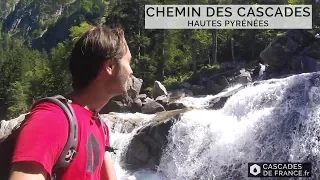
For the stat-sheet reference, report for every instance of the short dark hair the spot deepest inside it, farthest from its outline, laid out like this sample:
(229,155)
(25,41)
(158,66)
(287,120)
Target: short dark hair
(92,50)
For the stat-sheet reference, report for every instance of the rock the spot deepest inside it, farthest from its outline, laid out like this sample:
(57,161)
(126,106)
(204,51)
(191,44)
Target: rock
(312,51)
(185,85)
(6,126)
(302,37)
(263,73)
(279,52)
(120,124)
(152,107)
(212,87)
(158,90)
(219,101)
(145,148)
(147,100)
(136,105)
(179,93)
(122,103)
(113,106)
(243,78)
(163,100)
(142,97)
(134,86)
(222,81)
(304,64)
(174,106)
(256,72)
(282,49)
(198,90)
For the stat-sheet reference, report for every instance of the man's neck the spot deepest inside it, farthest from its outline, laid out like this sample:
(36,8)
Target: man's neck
(91,100)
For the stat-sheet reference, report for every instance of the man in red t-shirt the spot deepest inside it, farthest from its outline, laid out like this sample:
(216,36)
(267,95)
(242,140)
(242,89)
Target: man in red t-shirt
(100,67)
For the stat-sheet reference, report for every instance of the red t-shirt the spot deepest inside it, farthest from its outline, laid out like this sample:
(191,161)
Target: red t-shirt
(45,134)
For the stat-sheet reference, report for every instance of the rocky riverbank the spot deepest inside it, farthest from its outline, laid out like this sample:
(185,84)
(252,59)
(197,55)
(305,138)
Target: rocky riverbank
(293,53)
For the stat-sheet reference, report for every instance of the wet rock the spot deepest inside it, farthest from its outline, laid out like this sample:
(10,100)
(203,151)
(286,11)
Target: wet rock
(219,101)
(174,106)
(179,93)
(145,148)
(152,107)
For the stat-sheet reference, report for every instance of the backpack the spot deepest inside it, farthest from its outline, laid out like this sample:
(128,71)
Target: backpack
(8,139)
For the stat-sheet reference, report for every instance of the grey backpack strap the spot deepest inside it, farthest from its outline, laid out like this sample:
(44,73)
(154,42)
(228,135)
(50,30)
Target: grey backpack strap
(69,151)
(104,129)
(103,125)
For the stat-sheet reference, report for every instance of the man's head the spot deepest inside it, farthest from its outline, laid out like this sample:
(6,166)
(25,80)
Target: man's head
(101,58)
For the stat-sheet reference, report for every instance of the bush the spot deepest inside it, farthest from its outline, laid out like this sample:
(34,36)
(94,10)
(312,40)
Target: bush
(174,81)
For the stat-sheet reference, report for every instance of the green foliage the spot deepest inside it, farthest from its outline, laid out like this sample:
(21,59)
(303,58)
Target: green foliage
(23,72)
(171,56)
(170,82)
(18,97)
(86,6)
(209,67)
(173,81)
(78,31)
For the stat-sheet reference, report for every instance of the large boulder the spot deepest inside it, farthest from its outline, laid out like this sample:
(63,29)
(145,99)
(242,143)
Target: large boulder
(283,48)
(145,148)
(152,107)
(159,90)
(123,103)
(6,126)
(113,106)
(134,86)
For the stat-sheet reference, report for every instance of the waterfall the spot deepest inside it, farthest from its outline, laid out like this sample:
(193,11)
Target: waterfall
(275,120)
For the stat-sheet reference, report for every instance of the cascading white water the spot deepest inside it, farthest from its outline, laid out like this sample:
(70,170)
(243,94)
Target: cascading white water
(273,121)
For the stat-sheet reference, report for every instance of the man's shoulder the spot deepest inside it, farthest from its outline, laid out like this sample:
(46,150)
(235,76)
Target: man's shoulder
(47,107)
(47,112)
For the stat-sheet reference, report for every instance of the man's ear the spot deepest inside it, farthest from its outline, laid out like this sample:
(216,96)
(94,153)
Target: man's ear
(109,66)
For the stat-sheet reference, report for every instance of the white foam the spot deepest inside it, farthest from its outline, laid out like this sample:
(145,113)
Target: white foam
(274,121)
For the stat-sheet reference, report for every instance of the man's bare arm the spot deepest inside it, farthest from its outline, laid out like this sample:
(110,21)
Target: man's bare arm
(108,171)
(27,171)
